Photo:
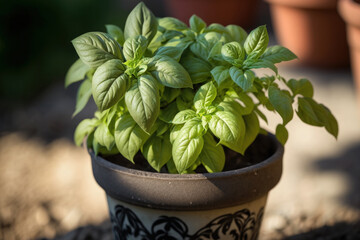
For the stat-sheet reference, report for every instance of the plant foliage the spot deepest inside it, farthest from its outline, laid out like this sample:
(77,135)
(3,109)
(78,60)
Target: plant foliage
(179,94)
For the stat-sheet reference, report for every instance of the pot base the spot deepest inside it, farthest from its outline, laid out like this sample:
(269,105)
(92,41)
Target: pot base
(135,222)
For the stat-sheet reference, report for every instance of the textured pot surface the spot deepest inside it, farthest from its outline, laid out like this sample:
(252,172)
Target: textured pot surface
(313,30)
(134,222)
(190,191)
(225,12)
(350,12)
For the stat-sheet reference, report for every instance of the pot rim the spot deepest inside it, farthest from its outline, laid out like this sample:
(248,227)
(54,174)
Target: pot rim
(193,176)
(306,4)
(349,11)
(190,192)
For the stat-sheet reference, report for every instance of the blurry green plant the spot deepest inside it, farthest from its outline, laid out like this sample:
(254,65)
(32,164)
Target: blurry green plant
(179,94)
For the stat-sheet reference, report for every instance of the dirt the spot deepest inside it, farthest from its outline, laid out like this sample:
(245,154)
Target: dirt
(48,192)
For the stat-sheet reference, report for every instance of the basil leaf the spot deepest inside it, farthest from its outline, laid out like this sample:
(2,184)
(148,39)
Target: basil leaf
(256,42)
(109,83)
(220,74)
(197,24)
(76,72)
(143,101)
(200,49)
(141,21)
(170,165)
(260,63)
(316,114)
(252,128)
(129,137)
(174,133)
(185,99)
(170,73)
(169,95)
(116,33)
(187,145)
(212,155)
(198,69)
(205,96)
(134,48)
(157,151)
(242,79)
(302,87)
(167,114)
(282,103)
(85,128)
(233,53)
(95,48)
(83,96)
(237,33)
(239,103)
(183,116)
(282,134)
(104,137)
(224,125)
(277,54)
(171,23)
(172,52)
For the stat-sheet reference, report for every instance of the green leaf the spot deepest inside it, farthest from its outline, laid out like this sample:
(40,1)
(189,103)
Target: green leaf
(237,33)
(260,63)
(116,33)
(104,137)
(170,73)
(316,114)
(198,69)
(109,83)
(184,116)
(141,21)
(302,87)
(220,74)
(169,95)
(282,103)
(187,145)
(129,137)
(212,155)
(95,48)
(233,53)
(242,79)
(167,114)
(157,151)
(76,72)
(170,165)
(282,134)
(224,125)
(172,52)
(134,48)
(85,128)
(185,99)
(174,133)
(252,128)
(83,96)
(239,103)
(143,101)
(197,24)
(277,54)
(205,96)
(256,42)
(171,23)
(201,48)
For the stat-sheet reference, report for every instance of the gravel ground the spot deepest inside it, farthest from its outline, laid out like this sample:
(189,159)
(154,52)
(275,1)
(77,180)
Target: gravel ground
(48,192)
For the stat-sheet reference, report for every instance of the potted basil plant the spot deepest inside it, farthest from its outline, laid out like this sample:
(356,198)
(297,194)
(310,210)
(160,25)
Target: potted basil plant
(176,141)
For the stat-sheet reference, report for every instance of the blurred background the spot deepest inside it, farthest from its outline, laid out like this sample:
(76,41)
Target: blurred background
(46,186)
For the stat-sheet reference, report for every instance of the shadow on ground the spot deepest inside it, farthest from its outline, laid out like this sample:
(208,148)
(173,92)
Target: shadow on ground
(348,164)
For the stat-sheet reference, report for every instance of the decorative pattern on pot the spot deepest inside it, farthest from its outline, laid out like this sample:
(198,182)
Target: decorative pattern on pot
(134,222)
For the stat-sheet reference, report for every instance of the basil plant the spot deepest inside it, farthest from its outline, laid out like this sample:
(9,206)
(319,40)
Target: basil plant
(180,94)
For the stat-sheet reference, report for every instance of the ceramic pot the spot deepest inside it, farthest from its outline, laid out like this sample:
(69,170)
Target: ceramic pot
(149,205)
(312,29)
(350,12)
(225,12)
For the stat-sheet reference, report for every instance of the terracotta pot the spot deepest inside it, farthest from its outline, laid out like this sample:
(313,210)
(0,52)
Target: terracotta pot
(225,12)
(312,29)
(350,12)
(189,206)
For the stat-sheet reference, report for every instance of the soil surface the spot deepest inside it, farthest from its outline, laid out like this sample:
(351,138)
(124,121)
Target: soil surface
(48,192)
